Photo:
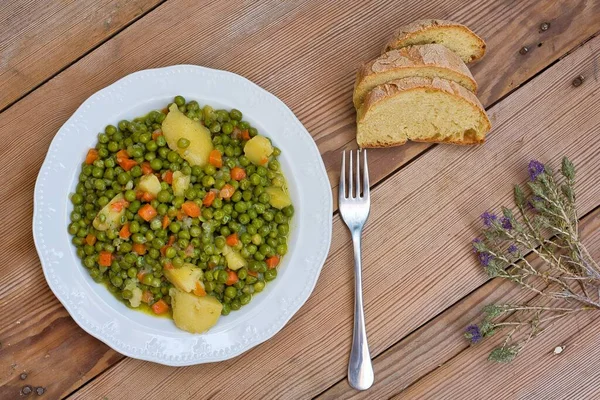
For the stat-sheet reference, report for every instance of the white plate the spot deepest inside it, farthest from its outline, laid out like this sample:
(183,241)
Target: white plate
(142,336)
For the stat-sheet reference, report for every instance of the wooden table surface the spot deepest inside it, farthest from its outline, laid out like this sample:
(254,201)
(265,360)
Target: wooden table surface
(422,283)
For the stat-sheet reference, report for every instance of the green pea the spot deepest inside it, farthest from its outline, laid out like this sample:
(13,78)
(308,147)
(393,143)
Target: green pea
(184,235)
(177,262)
(136,171)
(138,238)
(179,100)
(255,179)
(288,211)
(222,276)
(259,286)
(207,213)
(230,292)
(195,231)
(245,299)
(117,281)
(155,224)
(215,127)
(282,249)
(164,196)
(175,227)
(173,157)
(244,219)
(183,143)
(161,142)
(235,305)
(134,227)
(156,164)
(227,128)
(147,279)
(235,114)
(226,309)
(283,229)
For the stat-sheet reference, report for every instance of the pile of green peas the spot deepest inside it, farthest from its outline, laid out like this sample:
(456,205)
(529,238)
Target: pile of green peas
(262,229)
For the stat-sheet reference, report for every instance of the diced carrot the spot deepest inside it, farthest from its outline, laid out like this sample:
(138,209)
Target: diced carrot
(168,177)
(139,194)
(189,251)
(272,262)
(160,307)
(215,158)
(92,155)
(147,296)
(163,250)
(199,290)
(147,212)
(231,278)
(125,233)
(226,191)
(122,155)
(180,215)
(169,266)
(191,209)
(140,275)
(263,160)
(156,134)
(245,135)
(127,164)
(209,198)
(165,222)
(105,259)
(253,273)
(147,197)
(90,239)
(119,205)
(171,240)
(146,168)
(232,240)
(238,173)
(139,248)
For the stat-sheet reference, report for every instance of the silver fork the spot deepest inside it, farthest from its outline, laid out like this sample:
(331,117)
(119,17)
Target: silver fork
(354,208)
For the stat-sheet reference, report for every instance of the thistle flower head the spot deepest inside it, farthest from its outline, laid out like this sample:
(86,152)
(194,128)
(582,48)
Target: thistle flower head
(473,334)
(536,168)
(488,218)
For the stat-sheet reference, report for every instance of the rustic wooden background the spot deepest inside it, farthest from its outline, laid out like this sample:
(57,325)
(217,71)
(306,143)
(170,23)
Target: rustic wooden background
(422,283)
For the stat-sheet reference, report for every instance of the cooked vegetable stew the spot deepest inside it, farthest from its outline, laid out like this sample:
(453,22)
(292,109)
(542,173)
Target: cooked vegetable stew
(183,212)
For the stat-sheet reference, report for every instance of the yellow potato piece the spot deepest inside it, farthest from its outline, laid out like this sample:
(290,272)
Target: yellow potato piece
(192,313)
(278,198)
(258,149)
(181,183)
(150,184)
(185,277)
(176,126)
(234,259)
(112,217)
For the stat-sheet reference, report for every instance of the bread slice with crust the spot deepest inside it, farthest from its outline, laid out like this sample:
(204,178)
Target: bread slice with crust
(421,110)
(457,37)
(428,60)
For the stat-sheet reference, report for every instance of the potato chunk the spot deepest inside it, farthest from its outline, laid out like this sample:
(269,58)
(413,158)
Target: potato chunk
(185,277)
(177,126)
(234,259)
(109,217)
(258,149)
(181,183)
(278,198)
(192,313)
(150,184)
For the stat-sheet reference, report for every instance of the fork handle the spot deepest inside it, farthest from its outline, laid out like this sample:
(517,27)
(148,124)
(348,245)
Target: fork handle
(360,368)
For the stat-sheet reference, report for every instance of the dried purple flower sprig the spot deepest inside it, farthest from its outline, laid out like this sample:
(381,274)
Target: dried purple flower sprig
(548,228)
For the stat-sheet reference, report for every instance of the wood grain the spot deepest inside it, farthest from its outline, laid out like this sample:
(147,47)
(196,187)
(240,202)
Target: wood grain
(317,47)
(441,339)
(432,201)
(39,38)
(542,374)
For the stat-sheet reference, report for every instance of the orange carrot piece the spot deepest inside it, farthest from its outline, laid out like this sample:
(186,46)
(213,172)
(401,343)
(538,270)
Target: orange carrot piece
(165,222)
(169,266)
(92,155)
(127,164)
(160,307)
(147,197)
(156,134)
(147,212)
(168,177)
(272,262)
(105,259)
(191,209)
(139,248)
(119,205)
(232,278)
(146,168)
(226,191)
(147,296)
(232,240)
(209,198)
(215,158)
(125,233)
(140,275)
(90,239)
(238,173)
(252,273)
(199,290)
(245,135)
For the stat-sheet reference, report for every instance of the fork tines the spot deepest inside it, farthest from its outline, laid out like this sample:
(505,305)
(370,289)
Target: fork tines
(354,190)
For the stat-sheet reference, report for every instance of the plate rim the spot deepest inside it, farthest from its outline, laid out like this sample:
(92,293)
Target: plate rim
(281,323)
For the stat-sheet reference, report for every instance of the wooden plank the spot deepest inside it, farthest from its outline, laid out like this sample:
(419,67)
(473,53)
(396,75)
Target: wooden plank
(441,339)
(39,38)
(422,221)
(572,374)
(318,46)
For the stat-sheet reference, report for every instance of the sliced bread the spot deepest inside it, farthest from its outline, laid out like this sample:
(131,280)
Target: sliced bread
(453,35)
(421,110)
(429,60)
